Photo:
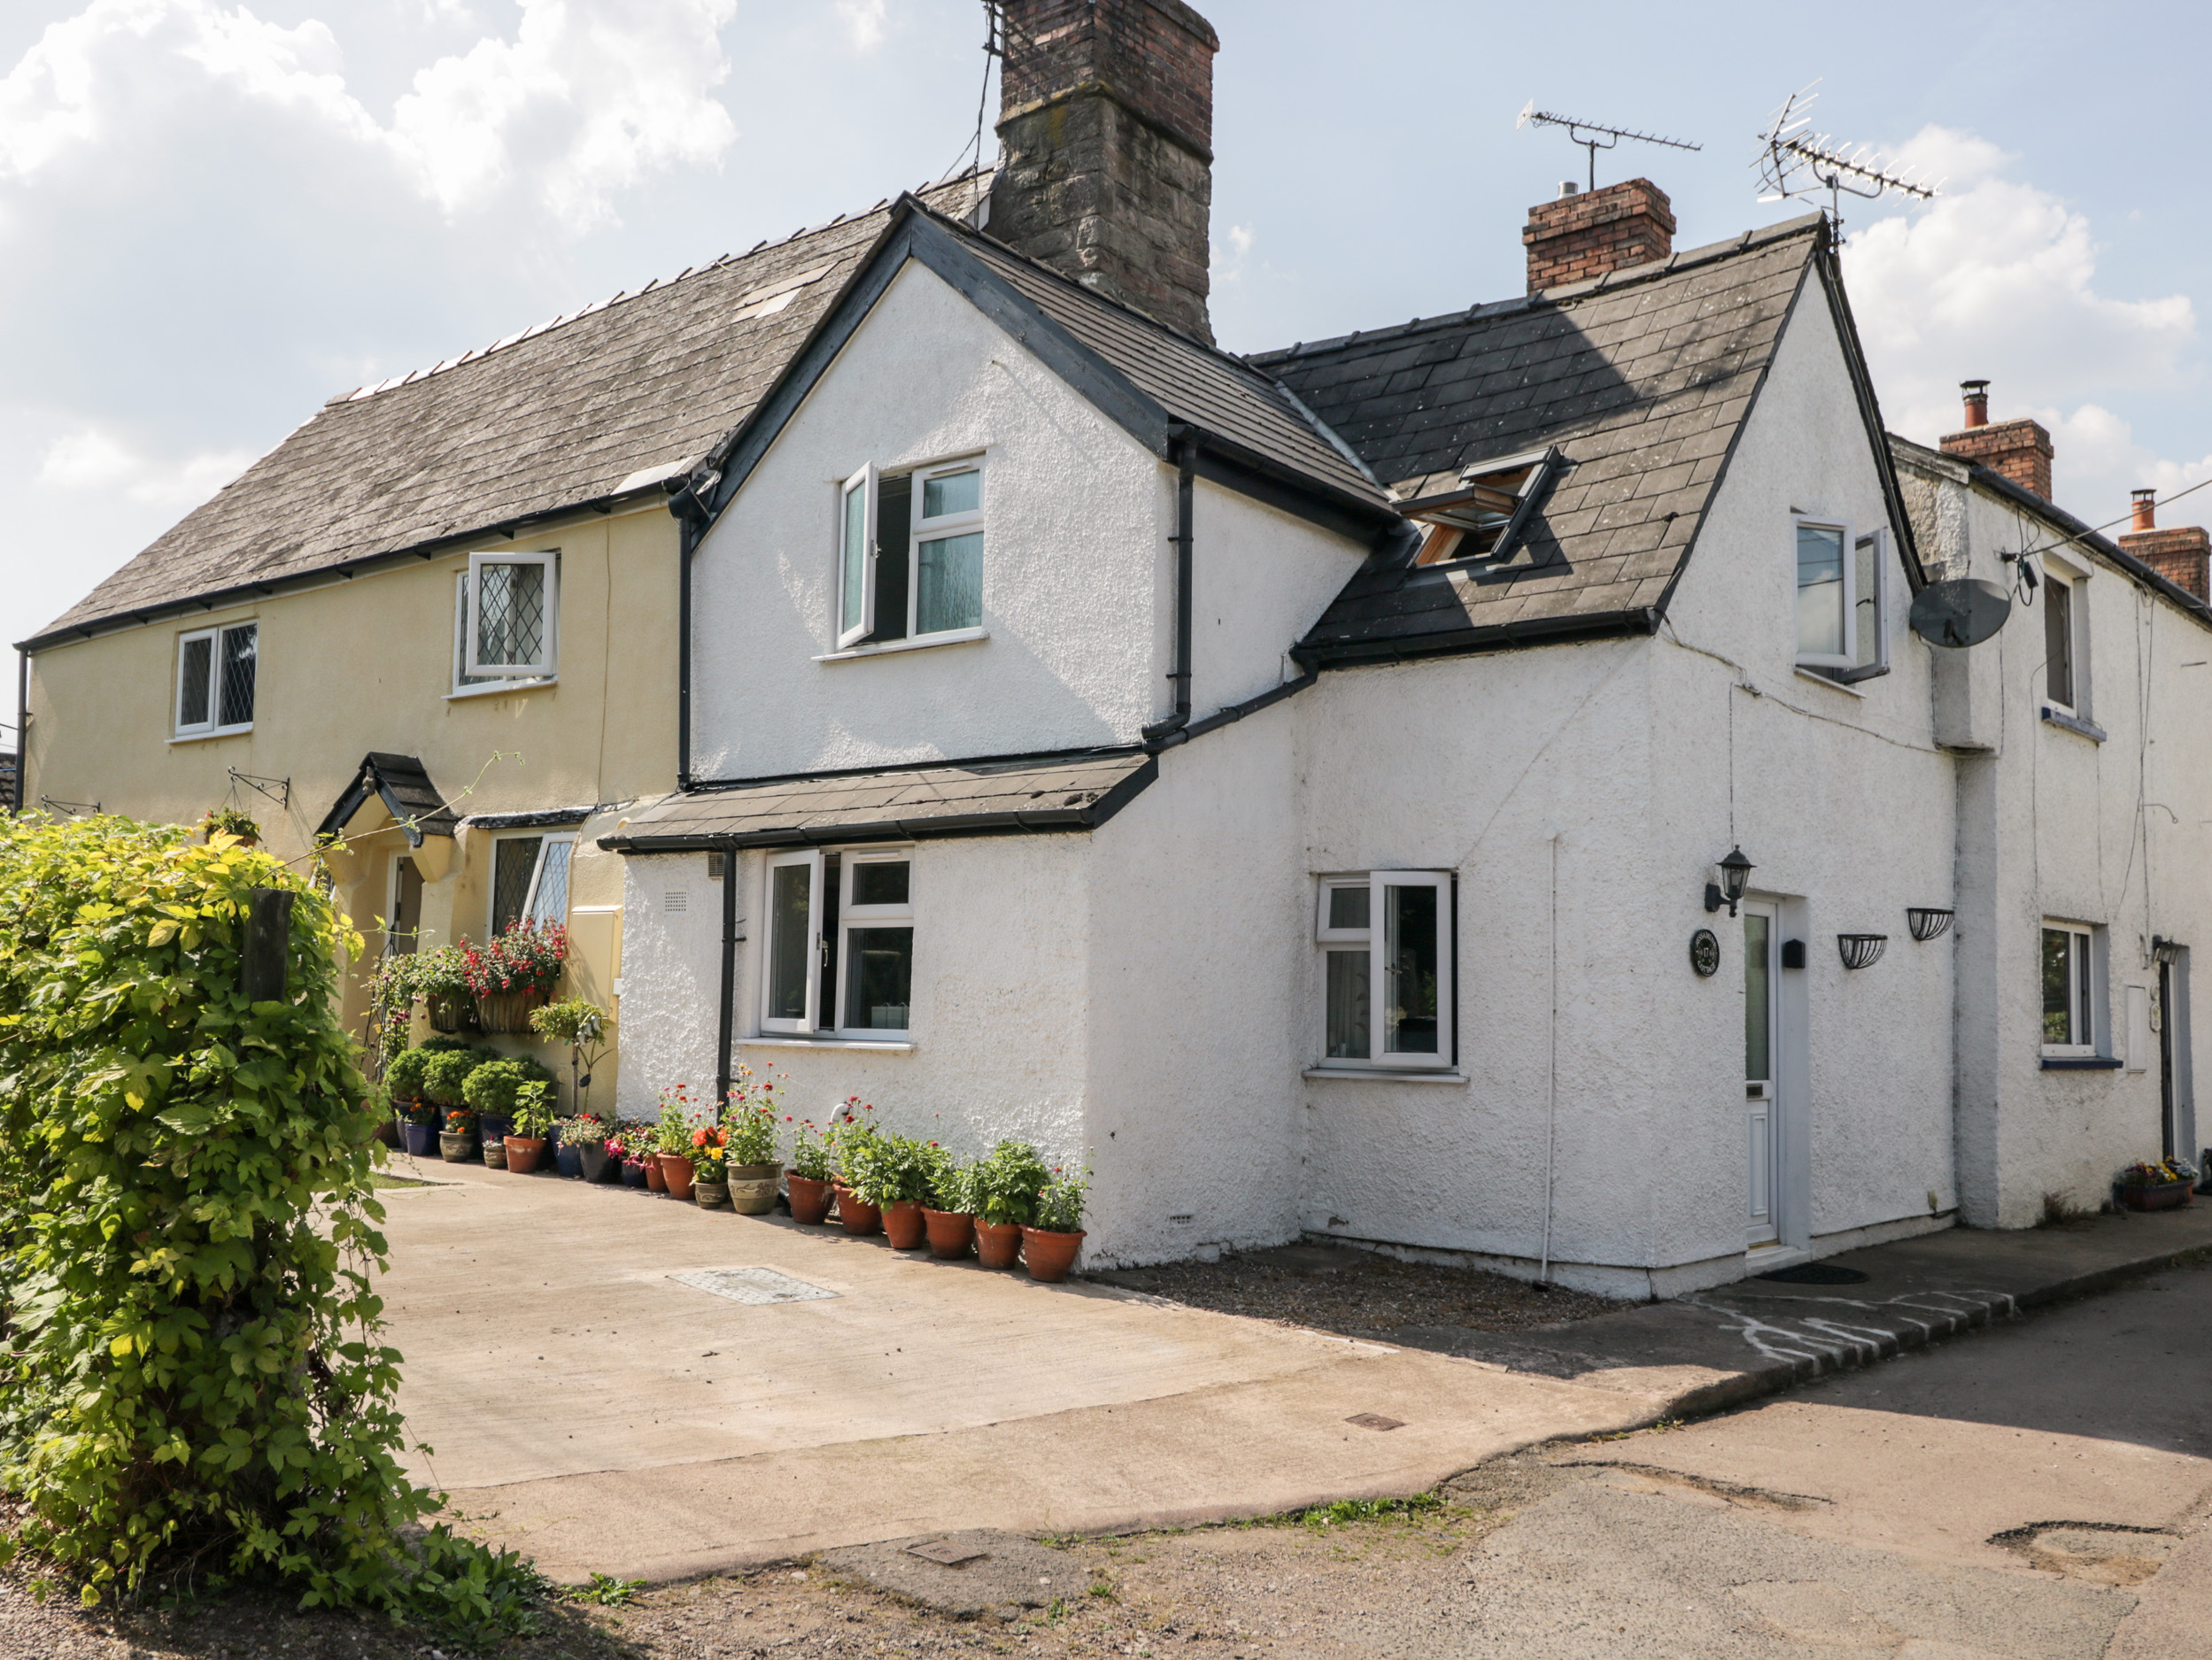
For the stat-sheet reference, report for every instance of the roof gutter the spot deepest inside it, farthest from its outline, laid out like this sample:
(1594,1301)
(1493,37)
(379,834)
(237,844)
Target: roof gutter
(1645,620)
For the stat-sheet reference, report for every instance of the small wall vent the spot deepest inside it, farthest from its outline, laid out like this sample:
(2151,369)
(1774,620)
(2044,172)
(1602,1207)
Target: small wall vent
(674,899)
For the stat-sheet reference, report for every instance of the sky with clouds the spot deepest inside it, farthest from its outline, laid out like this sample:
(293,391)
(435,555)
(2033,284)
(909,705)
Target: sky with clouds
(213,216)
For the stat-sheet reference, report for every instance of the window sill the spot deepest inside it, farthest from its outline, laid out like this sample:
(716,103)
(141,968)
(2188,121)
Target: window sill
(1819,679)
(501,688)
(2059,718)
(886,1046)
(951,637)
(224,731)
(2082,1063)
(1385,1075)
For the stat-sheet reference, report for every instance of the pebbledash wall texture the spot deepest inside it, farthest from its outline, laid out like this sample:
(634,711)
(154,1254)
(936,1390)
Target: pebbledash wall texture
(1584,235)
(1106,114)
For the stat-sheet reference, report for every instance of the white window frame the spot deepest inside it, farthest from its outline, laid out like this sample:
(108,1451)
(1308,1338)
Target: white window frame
(2082,976)
(544,839)
(941,529)
(863,483)
(2075,584)
(464,684)
(851,916)
(549,561)
(1833,665)
(1443,1057)
(1877,662)
(811,859)
(212,726)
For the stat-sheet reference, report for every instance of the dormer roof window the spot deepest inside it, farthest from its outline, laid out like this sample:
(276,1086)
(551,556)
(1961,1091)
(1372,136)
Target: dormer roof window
(1482,512)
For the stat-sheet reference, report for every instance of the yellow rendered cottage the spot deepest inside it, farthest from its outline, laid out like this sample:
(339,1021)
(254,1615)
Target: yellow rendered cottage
(441,621)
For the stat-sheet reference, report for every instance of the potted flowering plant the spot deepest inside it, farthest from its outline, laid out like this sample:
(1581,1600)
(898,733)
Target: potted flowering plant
(811,1172)
(457,1137)
(710,1162)
(1050,1242)
(948,1207)
(753,1172)
(419,1133)
(672,1142)
(858,1150)
(2163,1185)
(533,1122)
(439,977)
(1007,1183)
(628,1145)
(588,1133)
(514,973)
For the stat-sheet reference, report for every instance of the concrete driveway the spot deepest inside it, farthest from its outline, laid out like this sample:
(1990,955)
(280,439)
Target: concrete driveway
(586,1405)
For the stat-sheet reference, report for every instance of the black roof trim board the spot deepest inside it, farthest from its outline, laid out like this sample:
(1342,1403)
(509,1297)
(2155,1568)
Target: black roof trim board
(407,791)
(1498,636)
(1869,409)
(550,818)
(1010,763)
(1221,464)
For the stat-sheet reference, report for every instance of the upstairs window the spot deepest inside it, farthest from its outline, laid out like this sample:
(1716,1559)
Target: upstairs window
(1386,969)
(1841,592)
(215,673)
(910,554)
(2065,642)
(1484,512)
(510,616)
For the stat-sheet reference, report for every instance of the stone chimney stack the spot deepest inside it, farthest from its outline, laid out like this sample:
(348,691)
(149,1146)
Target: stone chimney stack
(2181,555)
(2021,449)
(1106,121)
(1588,233)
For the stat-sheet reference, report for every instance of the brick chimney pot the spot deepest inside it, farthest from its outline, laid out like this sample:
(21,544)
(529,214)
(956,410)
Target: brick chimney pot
(2182,555)
(1584,235)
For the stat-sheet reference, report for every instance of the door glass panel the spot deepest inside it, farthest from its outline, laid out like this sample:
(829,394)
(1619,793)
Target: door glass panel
(400,936)
(950,591)
(1758,1001)
(880,977)
(790,940)
(1820,592)
(1347,1014)
(514,861)
(2058,1002)
(1409,941)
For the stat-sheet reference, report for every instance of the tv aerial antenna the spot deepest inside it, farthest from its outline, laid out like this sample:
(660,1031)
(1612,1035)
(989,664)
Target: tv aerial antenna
(1795,161)
(1603,137)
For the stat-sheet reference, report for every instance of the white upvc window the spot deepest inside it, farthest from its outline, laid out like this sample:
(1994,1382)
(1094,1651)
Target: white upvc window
(511,615)
(1842,599)
(909,554)
(838,955)
(1386,944)
(530,879)
(216,670)
(2069,981)
(2065,641)
(791,951)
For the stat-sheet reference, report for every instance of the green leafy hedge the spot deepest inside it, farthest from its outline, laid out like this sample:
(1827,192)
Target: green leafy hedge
(193,1377)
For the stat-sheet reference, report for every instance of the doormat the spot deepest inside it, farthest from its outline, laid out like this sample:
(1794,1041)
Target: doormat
(753,1285)
(1816,1274)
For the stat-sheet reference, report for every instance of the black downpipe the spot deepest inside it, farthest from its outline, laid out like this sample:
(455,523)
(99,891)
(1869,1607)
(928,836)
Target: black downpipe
(1183,539)
(22,727)
(689,542)
(729,970)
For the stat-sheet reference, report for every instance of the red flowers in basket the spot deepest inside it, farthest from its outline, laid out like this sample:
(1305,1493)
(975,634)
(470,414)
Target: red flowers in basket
(526,958)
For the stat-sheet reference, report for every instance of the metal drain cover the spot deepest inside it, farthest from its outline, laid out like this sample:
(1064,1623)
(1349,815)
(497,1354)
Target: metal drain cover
(753,1285)
(1375,1421)
(952,1552)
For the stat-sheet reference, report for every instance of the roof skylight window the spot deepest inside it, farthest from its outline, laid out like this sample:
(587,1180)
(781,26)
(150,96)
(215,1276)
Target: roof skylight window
(1483,514)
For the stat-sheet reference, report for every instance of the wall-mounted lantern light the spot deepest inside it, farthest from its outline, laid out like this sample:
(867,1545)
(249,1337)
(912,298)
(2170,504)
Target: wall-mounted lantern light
(2168,951)
(1736,875)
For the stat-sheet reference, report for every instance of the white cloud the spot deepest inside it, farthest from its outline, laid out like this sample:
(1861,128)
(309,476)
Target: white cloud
(1230,252)
(93,460)
(864,21)
(1997,280)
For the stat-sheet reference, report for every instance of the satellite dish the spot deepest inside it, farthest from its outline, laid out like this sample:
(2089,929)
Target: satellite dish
(1960,614)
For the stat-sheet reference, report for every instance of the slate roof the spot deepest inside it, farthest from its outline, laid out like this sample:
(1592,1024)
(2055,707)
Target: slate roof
(553,418)
(1029,793)
(1642,379)
(404,785)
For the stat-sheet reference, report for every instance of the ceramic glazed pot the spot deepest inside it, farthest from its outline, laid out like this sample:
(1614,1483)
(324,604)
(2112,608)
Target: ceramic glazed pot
(506,1011)
(418,1138)
(952,1233)
(569,1161)
(2162,1196)
(675,1170)
(810,1199)
(523,1152)
(654,1181)
(495,1152)
(1050,1255)
(599,1164)
(456,1146)
(998,1243)
(711,1195)
(635,1173)
(753,1188)
(903,1226)
(855,1217)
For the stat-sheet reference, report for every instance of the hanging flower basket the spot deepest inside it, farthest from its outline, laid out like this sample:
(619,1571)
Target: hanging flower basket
(504,1012)
(452,1011)
(514,973)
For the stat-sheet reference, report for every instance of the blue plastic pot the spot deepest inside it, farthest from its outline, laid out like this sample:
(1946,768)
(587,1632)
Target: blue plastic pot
(419,1140)
(569,1162)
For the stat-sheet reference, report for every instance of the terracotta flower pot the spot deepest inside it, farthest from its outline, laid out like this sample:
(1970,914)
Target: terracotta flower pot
(998,1243)
(903,1225)
(495,1152)
(1049,1254)
(506,1011)
(456,1149)
(952,1233)
(711,1195)
(856,1216)
(810,1199)
(2158,1196)
(523,1152)
(654,1181)
(675,1170)
(753,1188)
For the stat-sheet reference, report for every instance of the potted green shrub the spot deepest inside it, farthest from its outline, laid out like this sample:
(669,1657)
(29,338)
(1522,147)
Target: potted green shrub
(754,1173)
(403,1077)
(533,1122)
(514,973)
(859,1149)
(582,1026)
(1007,1183)
(230,820)
(949,1211)
(445,1077)
(896,1184)
(810,1181)
(1050,1243)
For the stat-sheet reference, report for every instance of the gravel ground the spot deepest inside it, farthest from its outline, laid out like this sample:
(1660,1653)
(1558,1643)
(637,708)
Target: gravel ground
(1359,1293)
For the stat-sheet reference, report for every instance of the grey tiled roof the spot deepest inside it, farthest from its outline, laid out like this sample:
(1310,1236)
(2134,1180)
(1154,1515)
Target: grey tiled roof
(1642,380)
(1078,792)
(409,795)
(551,419)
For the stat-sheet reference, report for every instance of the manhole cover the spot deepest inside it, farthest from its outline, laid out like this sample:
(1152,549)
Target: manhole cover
(1375,1421)
(753,1285)
(1816,1274)
(950,1552)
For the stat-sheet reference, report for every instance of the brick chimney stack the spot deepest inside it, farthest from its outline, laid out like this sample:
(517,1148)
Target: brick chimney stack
(2021,449)
(1586,234)
(1106,124)
(2181,555)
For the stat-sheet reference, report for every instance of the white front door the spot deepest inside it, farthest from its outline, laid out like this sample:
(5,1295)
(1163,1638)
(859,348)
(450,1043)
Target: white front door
(1762,1071)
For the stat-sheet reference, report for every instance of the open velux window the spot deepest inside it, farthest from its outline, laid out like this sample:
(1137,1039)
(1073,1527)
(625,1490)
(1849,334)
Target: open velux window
(1484,512)
(910,553)
(215,673)
(1384,938)
(838,958)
